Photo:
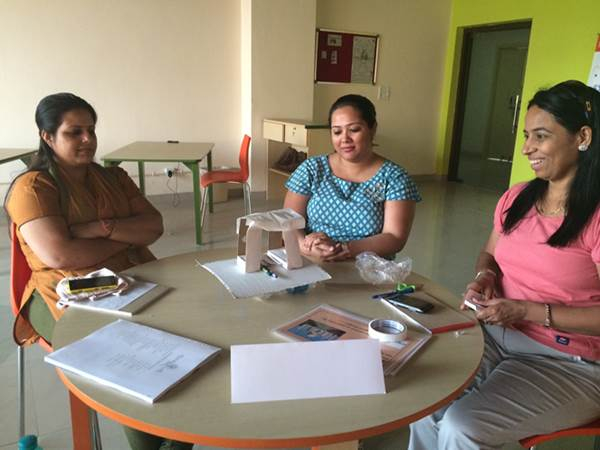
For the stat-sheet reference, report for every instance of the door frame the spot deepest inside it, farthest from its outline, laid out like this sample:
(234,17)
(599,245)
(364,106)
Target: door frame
(463,82)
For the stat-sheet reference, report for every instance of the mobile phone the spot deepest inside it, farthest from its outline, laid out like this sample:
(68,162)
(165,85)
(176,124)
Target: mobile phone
(410,303)
(77,285)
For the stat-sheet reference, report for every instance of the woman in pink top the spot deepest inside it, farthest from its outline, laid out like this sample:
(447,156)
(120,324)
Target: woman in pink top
(537,289)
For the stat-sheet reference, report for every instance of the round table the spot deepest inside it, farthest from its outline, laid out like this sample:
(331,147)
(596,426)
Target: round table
(199,409)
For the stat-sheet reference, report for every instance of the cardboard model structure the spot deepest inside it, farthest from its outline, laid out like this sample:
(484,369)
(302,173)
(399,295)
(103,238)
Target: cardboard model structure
(279,223)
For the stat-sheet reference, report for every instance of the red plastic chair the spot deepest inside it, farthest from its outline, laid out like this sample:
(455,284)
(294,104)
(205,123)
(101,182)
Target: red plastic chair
(20,273)
(591,429)
(240,175)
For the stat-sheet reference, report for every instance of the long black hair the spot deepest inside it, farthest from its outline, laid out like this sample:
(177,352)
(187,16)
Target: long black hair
(48,117)
(573,105)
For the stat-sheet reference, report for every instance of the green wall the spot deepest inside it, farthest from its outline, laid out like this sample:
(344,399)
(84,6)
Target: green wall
(561,46)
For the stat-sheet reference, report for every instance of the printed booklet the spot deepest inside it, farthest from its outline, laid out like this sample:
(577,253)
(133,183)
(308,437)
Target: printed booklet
(135,359)
(328,323)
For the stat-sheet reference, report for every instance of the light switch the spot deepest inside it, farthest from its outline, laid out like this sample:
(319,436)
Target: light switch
(383,93)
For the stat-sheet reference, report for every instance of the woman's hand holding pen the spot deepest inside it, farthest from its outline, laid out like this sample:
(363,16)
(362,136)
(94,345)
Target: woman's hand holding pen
(491,309)
(483,287)
(501,311)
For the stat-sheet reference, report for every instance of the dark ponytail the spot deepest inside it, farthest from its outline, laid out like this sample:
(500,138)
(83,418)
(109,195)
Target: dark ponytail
(573,105)
(48,117)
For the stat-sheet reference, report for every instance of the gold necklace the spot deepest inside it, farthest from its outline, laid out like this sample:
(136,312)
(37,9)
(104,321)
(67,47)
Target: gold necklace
(555,212)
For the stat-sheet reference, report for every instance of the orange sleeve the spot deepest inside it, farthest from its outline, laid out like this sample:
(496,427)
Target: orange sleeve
(136,199)
(33,195)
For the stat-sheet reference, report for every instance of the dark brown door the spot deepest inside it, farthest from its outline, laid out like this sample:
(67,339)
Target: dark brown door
(488,105)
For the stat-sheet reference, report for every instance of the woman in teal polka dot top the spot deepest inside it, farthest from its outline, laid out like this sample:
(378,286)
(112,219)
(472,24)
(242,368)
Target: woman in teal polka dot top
(353,200)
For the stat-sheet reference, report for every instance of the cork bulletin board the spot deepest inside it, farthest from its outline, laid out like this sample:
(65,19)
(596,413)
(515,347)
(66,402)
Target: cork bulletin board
(345,57)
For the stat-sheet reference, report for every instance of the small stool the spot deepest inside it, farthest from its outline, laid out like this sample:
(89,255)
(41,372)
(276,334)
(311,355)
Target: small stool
(591,429)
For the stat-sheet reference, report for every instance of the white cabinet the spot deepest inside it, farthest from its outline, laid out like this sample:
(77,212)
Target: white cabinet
(311,138)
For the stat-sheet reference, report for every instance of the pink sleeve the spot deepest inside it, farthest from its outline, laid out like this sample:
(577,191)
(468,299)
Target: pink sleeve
(502,205)
(592,236)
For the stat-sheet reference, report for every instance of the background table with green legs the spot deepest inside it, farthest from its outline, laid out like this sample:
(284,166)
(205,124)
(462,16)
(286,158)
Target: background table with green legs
(188,153)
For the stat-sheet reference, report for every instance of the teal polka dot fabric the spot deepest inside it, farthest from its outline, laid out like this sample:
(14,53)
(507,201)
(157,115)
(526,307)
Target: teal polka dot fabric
(347,210)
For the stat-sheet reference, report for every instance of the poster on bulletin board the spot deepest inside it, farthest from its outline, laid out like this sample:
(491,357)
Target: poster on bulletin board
(345,57)
(594,79)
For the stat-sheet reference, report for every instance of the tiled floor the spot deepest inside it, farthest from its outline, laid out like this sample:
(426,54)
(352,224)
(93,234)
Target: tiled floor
(452,224)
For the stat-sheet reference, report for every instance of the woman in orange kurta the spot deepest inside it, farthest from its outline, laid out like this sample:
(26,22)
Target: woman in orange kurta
(106,194)
(74,216)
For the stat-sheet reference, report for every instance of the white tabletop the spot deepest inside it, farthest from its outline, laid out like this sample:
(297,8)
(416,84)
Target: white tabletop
(161,151)
(200,410)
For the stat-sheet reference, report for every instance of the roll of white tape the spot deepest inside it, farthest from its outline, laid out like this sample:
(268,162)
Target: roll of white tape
(387,330)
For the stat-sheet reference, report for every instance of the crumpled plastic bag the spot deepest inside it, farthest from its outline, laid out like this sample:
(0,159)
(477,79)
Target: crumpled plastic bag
(377,270)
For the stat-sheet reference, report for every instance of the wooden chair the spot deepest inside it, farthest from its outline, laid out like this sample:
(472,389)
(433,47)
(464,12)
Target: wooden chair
(20,273)
(591,429)
(240,175)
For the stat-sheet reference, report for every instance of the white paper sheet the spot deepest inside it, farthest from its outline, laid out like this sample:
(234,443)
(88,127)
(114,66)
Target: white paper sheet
(300,370)
(242,284)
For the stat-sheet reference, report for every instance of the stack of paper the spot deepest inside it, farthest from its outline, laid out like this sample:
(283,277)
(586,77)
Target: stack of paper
(135,359)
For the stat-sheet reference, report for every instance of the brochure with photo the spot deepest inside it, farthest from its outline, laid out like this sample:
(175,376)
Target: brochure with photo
(328,323)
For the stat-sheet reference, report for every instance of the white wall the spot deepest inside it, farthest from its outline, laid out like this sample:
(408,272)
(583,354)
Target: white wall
(283,34)
(153,69)
(246,69)
(411,63)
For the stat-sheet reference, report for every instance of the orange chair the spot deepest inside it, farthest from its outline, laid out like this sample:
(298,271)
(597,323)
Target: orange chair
(591,429)
(20,273)
(230,176)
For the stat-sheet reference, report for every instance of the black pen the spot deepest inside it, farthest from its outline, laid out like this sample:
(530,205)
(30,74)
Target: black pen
(384,295)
